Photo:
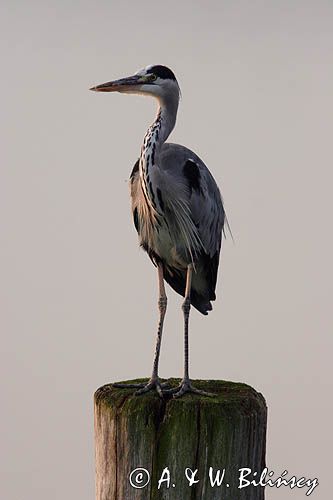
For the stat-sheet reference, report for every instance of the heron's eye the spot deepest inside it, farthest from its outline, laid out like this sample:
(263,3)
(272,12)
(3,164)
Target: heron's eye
(152,78)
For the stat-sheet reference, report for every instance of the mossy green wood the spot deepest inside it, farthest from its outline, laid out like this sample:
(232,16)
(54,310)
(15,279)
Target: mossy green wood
(225,432)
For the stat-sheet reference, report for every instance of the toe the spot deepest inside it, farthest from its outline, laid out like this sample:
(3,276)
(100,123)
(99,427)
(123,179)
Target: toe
(144,389)
(202,393)
(128,386)
(159,390)
(172,390)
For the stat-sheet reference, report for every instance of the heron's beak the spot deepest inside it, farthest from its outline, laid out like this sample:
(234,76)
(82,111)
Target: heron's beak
(128,84)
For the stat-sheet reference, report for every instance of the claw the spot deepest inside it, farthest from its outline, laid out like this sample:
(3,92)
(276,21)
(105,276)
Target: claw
(159,391)
(187,387)
(143,388)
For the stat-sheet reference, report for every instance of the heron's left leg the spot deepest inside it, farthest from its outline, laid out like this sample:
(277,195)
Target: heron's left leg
(186,385)
(154,381)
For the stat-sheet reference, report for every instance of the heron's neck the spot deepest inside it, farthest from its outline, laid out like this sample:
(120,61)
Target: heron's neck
(153,141)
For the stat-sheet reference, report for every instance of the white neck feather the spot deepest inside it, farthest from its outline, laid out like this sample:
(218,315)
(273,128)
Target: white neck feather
(153,141)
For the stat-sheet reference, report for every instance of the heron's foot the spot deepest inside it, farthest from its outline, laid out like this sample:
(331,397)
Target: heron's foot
(151,385)
(187,387)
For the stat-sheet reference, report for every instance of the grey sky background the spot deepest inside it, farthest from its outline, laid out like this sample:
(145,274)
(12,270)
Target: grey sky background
(78,296)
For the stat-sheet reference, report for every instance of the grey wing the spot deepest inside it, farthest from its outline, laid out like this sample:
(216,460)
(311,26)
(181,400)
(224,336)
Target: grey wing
(207,212)
(203,195)
(209,216)
(206,207)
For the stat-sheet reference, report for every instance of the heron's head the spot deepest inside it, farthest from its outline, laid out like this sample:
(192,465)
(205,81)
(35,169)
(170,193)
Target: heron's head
(158,81)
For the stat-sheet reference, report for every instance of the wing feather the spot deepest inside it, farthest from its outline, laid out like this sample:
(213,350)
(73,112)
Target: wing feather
(191,202)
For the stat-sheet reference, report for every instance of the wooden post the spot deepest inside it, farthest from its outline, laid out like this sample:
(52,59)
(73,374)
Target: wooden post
(169,437)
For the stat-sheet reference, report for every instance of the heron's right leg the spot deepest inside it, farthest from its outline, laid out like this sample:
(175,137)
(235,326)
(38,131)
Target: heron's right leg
(186,385)
(154,381)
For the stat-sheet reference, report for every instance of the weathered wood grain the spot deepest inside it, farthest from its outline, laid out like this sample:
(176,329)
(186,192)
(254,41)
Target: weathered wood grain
(225,432)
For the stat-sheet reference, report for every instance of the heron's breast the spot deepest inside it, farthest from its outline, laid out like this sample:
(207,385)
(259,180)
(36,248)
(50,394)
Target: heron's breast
(169,248)
(158,232)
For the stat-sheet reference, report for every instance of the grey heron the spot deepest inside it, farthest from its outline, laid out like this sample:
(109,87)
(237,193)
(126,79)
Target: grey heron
(177,211)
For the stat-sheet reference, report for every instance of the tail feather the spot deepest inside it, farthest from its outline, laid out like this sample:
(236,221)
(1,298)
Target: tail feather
(177,280)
